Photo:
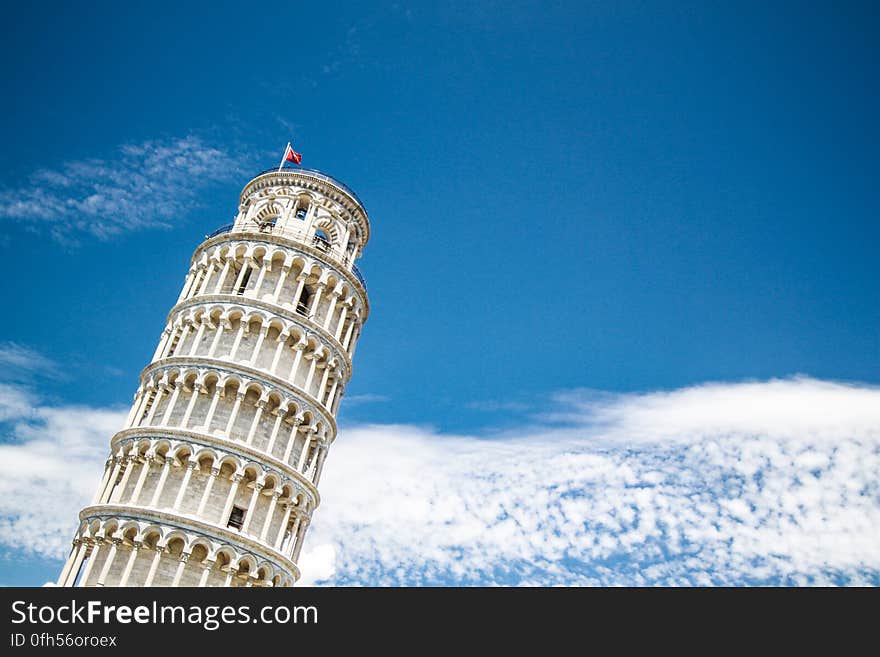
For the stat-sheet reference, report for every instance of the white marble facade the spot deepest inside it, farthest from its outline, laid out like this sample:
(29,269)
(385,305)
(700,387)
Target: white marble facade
(213,479)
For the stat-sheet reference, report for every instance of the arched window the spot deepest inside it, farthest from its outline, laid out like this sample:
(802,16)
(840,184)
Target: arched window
(321,240)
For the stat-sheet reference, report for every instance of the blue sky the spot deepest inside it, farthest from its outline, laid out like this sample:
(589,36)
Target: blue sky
(575,208)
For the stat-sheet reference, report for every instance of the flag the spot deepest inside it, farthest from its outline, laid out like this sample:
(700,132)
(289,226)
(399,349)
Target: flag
(291,155)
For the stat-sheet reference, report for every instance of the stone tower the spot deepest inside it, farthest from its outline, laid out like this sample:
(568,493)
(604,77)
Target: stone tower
(213,480)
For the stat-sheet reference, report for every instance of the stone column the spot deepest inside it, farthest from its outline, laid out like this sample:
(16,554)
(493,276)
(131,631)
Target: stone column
(293,432)
(223,273)
(135,405)
(279,538)
(77,553)
(322,456)
(243,328)
(203,288)
(184,557)
(264,267)
(183,334)
(339,326)
(348,332)
(184,421)
(230,499)
(155,405)
(126,475)
(138,415)
(215,472)
(190,277)
(301,283)
(313,309)
(218,392)
(244,268)
(299,347)
(81,554)
(252,507)
(282,340)
(190,467)
(230,425)
(129,565)
(279,286)
(294,535)
(120,462)
(279,418)
(142,477)
(353,345)
(157,494)
(313,465)
(328,403)
(99,494)
(166,347)
(203,322)
(256,355)
(294,555)
(154,565)
(268,520)
(323,385)
(223,323)
(303,455)
(114,546)
(311,374)
(93,558)
(207,564)
(332,308)
(178,386)
(163,340)
(261,404)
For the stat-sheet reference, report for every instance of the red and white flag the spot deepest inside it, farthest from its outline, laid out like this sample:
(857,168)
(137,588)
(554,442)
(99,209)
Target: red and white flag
(290,155)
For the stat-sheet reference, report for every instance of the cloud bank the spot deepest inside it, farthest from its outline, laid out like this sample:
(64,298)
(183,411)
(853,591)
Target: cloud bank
(752,483)
(141,186)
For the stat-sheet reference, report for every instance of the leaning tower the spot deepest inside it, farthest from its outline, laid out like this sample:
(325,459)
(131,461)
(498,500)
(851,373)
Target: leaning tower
(214,478)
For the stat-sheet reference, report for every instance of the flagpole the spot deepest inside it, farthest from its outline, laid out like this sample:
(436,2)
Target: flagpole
(283,157)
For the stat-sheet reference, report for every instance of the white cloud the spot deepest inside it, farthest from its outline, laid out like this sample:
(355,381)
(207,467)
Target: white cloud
(51,460)
(143,186)
(772,482)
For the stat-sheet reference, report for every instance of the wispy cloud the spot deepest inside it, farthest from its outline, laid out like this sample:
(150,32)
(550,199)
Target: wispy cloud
(366,398)
(18,362)
(753,483)
(142,186)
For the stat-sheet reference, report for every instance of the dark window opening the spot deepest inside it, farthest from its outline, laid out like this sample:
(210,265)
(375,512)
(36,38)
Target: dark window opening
(236,518)
(301,213)
(303,306)
(244,280)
